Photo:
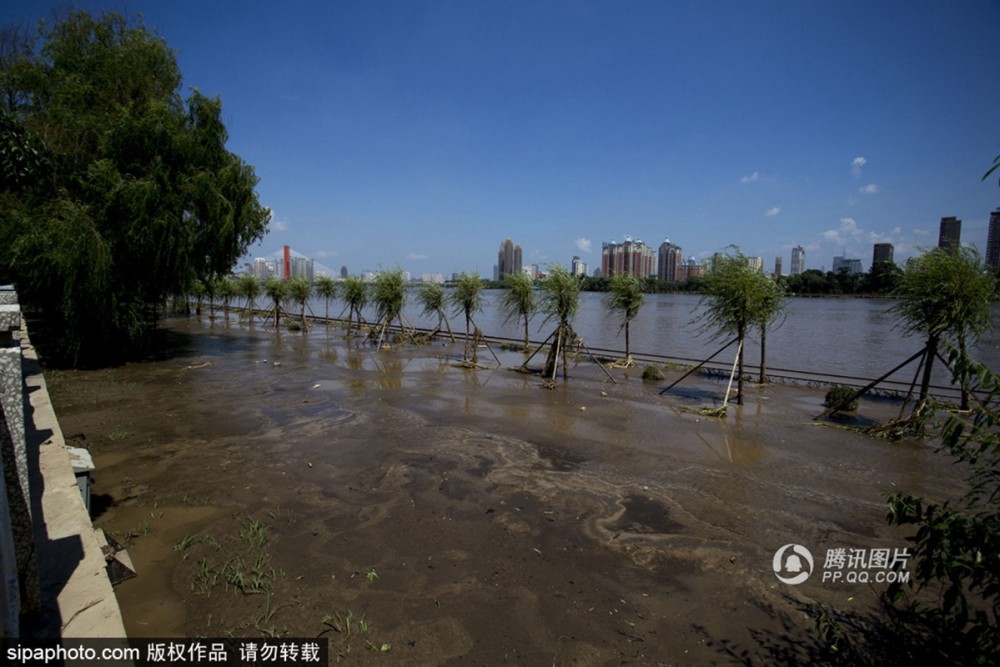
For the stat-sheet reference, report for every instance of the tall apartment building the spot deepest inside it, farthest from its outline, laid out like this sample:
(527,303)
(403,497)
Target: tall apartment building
(993,243)
(950,233)
(508,259)
(882,252)
(756,263)
(777,266)
(798,260)
(668,264)
(578,267)
(634,257)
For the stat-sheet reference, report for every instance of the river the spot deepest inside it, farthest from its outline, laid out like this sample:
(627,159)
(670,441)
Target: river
(843,337)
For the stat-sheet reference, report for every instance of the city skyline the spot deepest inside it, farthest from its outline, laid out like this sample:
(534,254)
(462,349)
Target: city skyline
(402,135)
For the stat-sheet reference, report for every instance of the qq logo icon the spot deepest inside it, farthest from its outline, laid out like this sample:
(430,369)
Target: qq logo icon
(792,564)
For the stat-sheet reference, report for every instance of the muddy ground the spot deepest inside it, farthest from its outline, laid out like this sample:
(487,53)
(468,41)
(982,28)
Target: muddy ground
(414,512)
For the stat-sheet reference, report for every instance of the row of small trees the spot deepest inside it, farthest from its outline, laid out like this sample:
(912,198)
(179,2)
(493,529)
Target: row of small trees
(942,295)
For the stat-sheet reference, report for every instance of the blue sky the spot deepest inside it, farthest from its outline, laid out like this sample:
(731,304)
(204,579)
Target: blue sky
(422,134)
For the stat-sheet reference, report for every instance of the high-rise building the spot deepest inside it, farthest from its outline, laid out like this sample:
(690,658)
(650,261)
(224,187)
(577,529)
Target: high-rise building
(690,268)
(882,253)
(634,257)
(950,233)
(777,266)
(668,264)
(343,272)
(851,266)
(798,260)
(578,267)
(993,243)
(508,259)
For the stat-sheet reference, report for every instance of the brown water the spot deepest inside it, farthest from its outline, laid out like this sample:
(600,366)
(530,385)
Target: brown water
(471,516)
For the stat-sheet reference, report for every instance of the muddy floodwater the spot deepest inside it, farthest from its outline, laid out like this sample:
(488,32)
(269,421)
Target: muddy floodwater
(414,512)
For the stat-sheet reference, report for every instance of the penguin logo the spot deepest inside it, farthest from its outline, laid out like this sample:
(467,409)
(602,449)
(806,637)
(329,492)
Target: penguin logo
(792,564)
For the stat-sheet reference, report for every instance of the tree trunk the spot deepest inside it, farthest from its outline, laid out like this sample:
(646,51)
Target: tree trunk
(526,339)
(627,350)
(964,377)
(739,381)
(763,355)
(925,384)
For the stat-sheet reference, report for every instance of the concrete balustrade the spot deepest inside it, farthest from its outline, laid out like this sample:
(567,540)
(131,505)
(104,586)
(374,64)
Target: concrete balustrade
(54,581)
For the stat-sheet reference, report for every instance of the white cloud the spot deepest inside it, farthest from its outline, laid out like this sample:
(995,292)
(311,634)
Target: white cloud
(583,245)
(323,254)
(773,211)
(278,225)
(869,189)
(416,255)
(846,233)
(856,165)
(921,232)
(752,178)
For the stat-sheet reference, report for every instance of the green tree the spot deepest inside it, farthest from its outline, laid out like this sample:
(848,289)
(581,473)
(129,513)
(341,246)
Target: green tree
(467,298)
(957,544)
(433,301)
(300,289)
(772,313)
(277,290)
(227,290)
(389,298)
(248,287)
(944,294)
(737,299)
(124,192)
(356,295)
(560,303)
(625,297)
(326,288)
(518,300)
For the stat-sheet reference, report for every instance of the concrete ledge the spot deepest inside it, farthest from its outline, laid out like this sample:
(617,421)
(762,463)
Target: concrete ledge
(76,595)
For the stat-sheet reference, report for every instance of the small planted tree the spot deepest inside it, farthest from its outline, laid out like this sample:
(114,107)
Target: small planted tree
(518,300)
(433,301)
(560,303)
(625,296)
(355,294)
(467,298)
(300,289)
(389,298)
(277,290)
(227,290)
(945,294)
(738,298)
(325,288)
(249,288)
(771,316)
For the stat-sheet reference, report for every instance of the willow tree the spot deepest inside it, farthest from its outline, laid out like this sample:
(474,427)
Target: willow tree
(433,300)
(944,294)
(326,289)
(389,298)
(277,290)
(355,295)
(130,194)
(300,289)
(625,297)
(738,297)
(518,300)
(249,288)
(467,298)
(560,303)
